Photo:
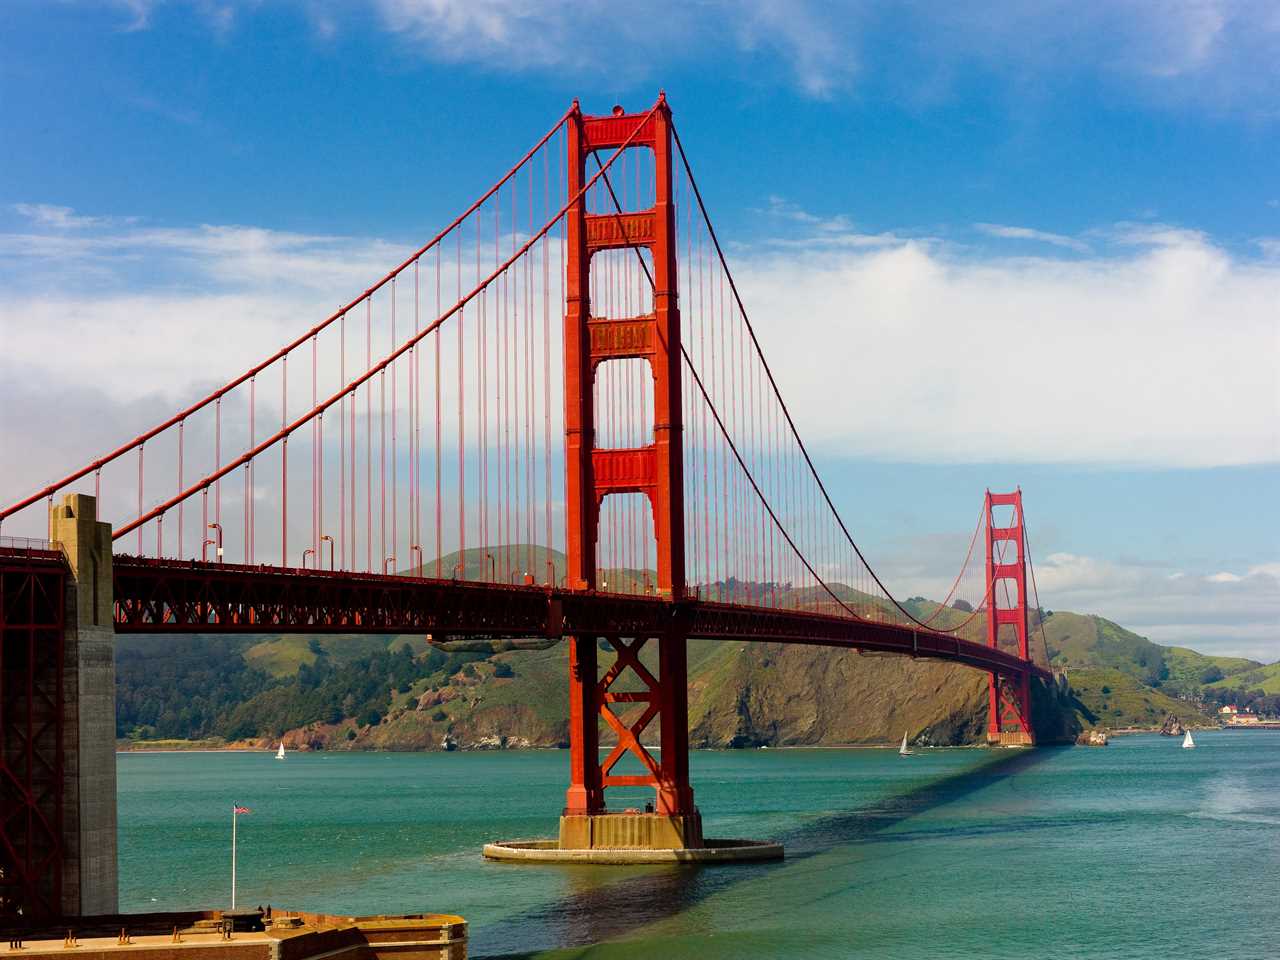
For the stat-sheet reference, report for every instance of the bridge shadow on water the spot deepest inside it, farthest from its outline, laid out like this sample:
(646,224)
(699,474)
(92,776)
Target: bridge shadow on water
(612,908)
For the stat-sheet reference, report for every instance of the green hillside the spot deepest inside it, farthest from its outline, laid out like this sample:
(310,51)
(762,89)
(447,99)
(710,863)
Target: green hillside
(1257,677)
(1114,699)
(1075,641)
(283,655)
(1189,670)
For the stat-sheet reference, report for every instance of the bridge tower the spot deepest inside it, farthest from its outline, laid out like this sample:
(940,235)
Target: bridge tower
(593,473)
(58,720)
(1009,720)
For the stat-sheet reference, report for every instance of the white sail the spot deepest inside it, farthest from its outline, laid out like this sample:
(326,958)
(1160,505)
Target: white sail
(1187,742)
(280,752)
(903,750)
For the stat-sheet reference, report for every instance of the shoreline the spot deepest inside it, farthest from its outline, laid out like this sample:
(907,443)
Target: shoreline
(653,748)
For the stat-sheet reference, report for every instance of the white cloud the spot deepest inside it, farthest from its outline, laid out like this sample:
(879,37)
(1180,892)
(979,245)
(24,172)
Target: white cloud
(1237,614)
(1165,354)
(1161,352)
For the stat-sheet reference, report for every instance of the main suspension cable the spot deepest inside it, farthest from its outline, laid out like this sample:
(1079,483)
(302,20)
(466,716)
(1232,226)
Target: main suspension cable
(777,393)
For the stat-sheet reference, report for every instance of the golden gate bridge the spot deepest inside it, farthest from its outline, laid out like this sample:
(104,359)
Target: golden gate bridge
(569,361)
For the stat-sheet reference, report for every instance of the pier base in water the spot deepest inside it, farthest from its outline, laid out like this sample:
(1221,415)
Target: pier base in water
(630,831)
(632,837)
(1011,738)
(713,851)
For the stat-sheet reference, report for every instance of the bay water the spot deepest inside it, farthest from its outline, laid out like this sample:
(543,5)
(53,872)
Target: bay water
(1138,850)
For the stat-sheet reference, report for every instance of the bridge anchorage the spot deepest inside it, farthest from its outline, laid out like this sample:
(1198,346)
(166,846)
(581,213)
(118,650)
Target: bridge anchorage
(440,457)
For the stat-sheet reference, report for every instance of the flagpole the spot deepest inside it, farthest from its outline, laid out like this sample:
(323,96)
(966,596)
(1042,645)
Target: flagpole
(233,856)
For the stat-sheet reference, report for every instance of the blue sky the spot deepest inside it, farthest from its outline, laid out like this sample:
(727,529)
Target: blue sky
(1084,198)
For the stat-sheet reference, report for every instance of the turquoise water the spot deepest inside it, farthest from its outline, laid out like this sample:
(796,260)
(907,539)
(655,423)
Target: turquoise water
(1139,850)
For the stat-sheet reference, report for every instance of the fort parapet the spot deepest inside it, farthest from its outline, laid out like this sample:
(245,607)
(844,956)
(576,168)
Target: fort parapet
(248,935)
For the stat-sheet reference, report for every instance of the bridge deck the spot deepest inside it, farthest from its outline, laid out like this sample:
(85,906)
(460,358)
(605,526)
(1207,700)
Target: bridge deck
(169,596)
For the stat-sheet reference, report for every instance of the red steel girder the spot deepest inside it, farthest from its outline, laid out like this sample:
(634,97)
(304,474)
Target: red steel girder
(622,339)
(186,596)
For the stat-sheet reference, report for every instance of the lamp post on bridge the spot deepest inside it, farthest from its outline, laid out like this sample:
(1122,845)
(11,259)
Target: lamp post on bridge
(217,542)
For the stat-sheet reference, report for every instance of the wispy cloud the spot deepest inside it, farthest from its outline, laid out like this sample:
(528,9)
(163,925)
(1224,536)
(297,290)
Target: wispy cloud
(516,35)
(1220,53)
(784,209)
(823,61)
(137,12)
(1217,52)
(58,218)
(812,231)
(220,15)
(1027,233)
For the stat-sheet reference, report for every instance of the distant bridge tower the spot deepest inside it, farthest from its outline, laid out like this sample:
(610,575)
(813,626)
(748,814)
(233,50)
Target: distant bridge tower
(1009,721)
(655,470)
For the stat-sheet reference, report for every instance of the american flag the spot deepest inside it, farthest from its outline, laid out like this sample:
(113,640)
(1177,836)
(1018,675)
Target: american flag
(236,808)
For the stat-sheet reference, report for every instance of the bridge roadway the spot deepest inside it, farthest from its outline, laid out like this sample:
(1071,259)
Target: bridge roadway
(171,596)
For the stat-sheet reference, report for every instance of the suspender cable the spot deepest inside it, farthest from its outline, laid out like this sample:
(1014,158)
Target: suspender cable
(456,309)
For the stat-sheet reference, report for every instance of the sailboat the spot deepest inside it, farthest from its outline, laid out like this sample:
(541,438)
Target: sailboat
(904,750)
(1187,742)
(280,751)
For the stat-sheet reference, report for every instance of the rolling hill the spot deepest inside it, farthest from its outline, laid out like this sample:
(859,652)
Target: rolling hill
(401,693)
(1254,677)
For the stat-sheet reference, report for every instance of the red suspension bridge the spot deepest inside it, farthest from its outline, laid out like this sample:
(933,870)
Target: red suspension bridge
(569,363)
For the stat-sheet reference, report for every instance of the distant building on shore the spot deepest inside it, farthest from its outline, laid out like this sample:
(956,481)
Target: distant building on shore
(1233,716)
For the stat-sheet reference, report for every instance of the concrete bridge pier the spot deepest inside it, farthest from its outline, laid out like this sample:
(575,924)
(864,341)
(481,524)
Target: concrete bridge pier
(89,867)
